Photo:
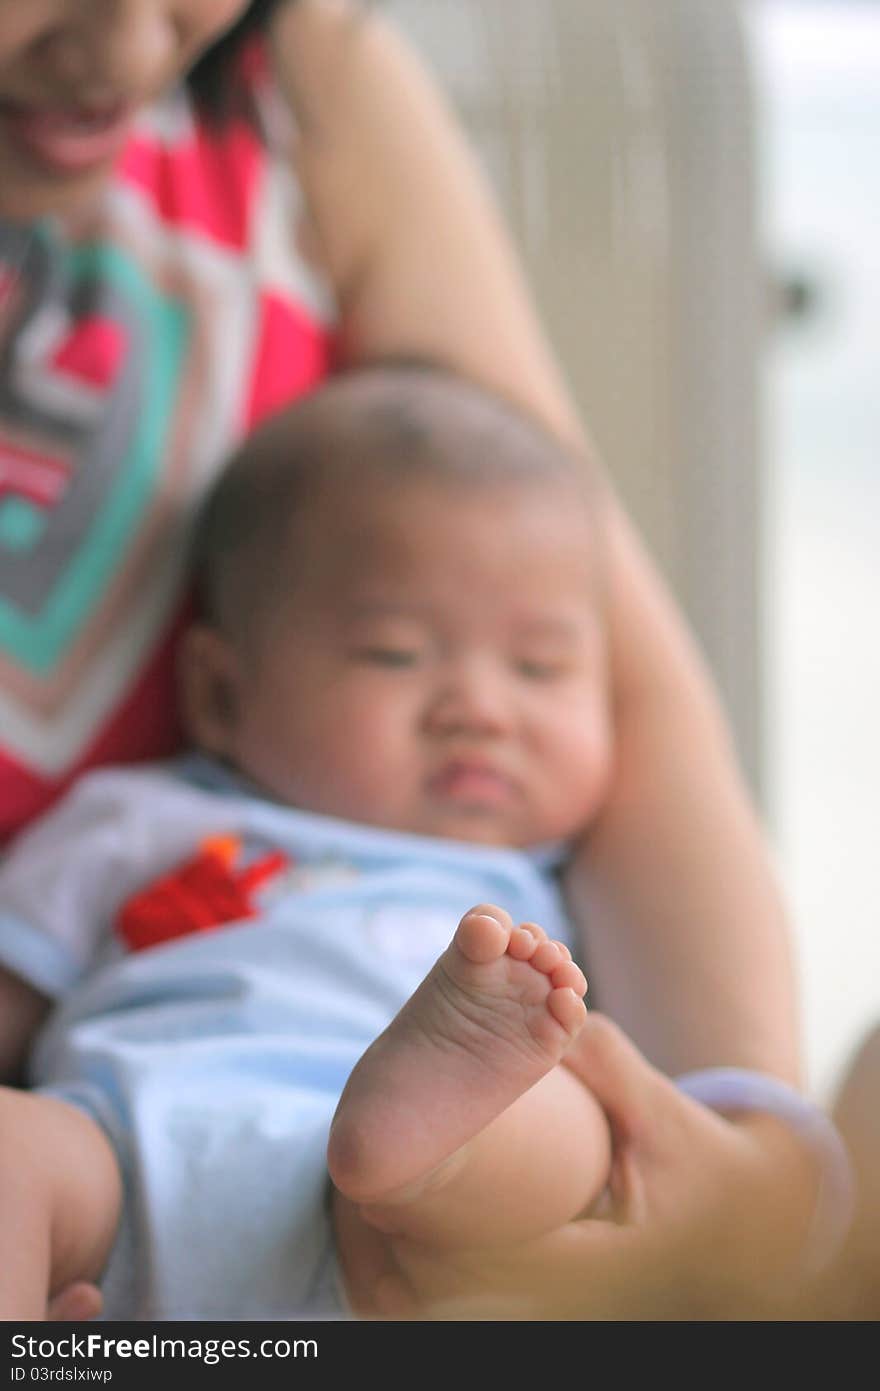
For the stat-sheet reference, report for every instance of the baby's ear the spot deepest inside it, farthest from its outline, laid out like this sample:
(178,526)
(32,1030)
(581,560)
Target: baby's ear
(208,683)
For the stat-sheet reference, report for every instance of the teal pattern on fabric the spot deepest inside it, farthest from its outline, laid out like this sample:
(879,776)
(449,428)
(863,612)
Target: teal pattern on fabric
(37,642)
(21,524)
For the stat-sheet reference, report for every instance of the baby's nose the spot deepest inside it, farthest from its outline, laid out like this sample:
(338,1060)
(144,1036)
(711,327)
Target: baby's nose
(473,699)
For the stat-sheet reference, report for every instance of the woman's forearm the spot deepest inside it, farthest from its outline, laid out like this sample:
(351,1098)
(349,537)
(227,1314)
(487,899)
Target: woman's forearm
(684,924)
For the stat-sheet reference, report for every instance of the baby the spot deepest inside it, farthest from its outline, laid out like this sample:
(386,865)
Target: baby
(398,688)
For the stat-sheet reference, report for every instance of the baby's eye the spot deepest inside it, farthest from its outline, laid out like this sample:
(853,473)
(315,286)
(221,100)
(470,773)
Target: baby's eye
(394,657)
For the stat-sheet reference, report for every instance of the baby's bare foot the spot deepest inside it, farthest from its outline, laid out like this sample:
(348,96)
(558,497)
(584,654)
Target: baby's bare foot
(494,1015)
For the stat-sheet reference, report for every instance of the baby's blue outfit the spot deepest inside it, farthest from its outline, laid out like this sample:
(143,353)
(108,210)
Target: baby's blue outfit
(214,1062)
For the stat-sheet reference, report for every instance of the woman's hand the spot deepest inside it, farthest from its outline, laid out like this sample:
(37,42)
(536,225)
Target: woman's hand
(703,1218)
(77,1304)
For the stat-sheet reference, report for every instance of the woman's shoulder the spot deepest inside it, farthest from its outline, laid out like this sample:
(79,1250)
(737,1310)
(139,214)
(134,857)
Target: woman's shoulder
(307,34)
(397,211)
(336,58)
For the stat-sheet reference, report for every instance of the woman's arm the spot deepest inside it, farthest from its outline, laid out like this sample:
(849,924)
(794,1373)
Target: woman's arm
(678,900)
(687,934)
(852,1289)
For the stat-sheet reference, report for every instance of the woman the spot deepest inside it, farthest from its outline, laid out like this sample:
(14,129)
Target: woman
(177,264)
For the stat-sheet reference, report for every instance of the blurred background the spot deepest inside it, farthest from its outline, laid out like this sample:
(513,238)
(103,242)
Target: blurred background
(695,189)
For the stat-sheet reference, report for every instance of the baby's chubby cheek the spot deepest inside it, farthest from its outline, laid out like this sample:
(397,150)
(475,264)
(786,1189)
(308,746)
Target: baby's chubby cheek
(355,776)
(582,783)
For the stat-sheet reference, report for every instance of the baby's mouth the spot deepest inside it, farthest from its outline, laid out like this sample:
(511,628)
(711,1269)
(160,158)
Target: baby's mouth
(67,139)
(472,781)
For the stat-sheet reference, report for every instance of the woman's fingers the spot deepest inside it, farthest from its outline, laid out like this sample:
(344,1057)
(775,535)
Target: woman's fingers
(77,1304)
(365,1259)
(626,1086)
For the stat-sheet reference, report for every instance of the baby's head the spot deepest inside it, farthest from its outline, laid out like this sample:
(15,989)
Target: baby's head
(403,614)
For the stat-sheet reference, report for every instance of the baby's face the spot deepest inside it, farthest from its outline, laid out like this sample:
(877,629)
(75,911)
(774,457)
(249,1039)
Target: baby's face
(439,666)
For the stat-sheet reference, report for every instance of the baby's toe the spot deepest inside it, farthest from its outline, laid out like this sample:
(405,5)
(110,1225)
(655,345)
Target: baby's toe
(568,975)
(484,933)
(525,940)
(547,957)
(568,1009)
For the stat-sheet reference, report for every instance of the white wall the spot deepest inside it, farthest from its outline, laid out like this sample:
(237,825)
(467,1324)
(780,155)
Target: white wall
(820,123)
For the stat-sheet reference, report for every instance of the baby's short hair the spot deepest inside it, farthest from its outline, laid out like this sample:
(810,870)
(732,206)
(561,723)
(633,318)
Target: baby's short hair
(399,420)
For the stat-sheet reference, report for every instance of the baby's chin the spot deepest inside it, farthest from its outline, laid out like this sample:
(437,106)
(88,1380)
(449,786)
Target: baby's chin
(513,826)
(475,826)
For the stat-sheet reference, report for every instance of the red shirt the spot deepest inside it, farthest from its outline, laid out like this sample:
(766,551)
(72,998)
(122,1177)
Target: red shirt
(136,350)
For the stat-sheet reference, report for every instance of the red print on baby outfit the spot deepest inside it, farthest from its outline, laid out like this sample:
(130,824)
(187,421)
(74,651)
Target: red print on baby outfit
(205,892)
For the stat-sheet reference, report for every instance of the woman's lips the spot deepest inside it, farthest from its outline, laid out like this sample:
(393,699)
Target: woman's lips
(67,140)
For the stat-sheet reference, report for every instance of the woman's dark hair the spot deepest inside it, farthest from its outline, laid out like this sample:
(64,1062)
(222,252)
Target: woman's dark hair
(209,80)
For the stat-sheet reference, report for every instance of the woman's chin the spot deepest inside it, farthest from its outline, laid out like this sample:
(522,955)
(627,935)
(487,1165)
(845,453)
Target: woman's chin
(28,193)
